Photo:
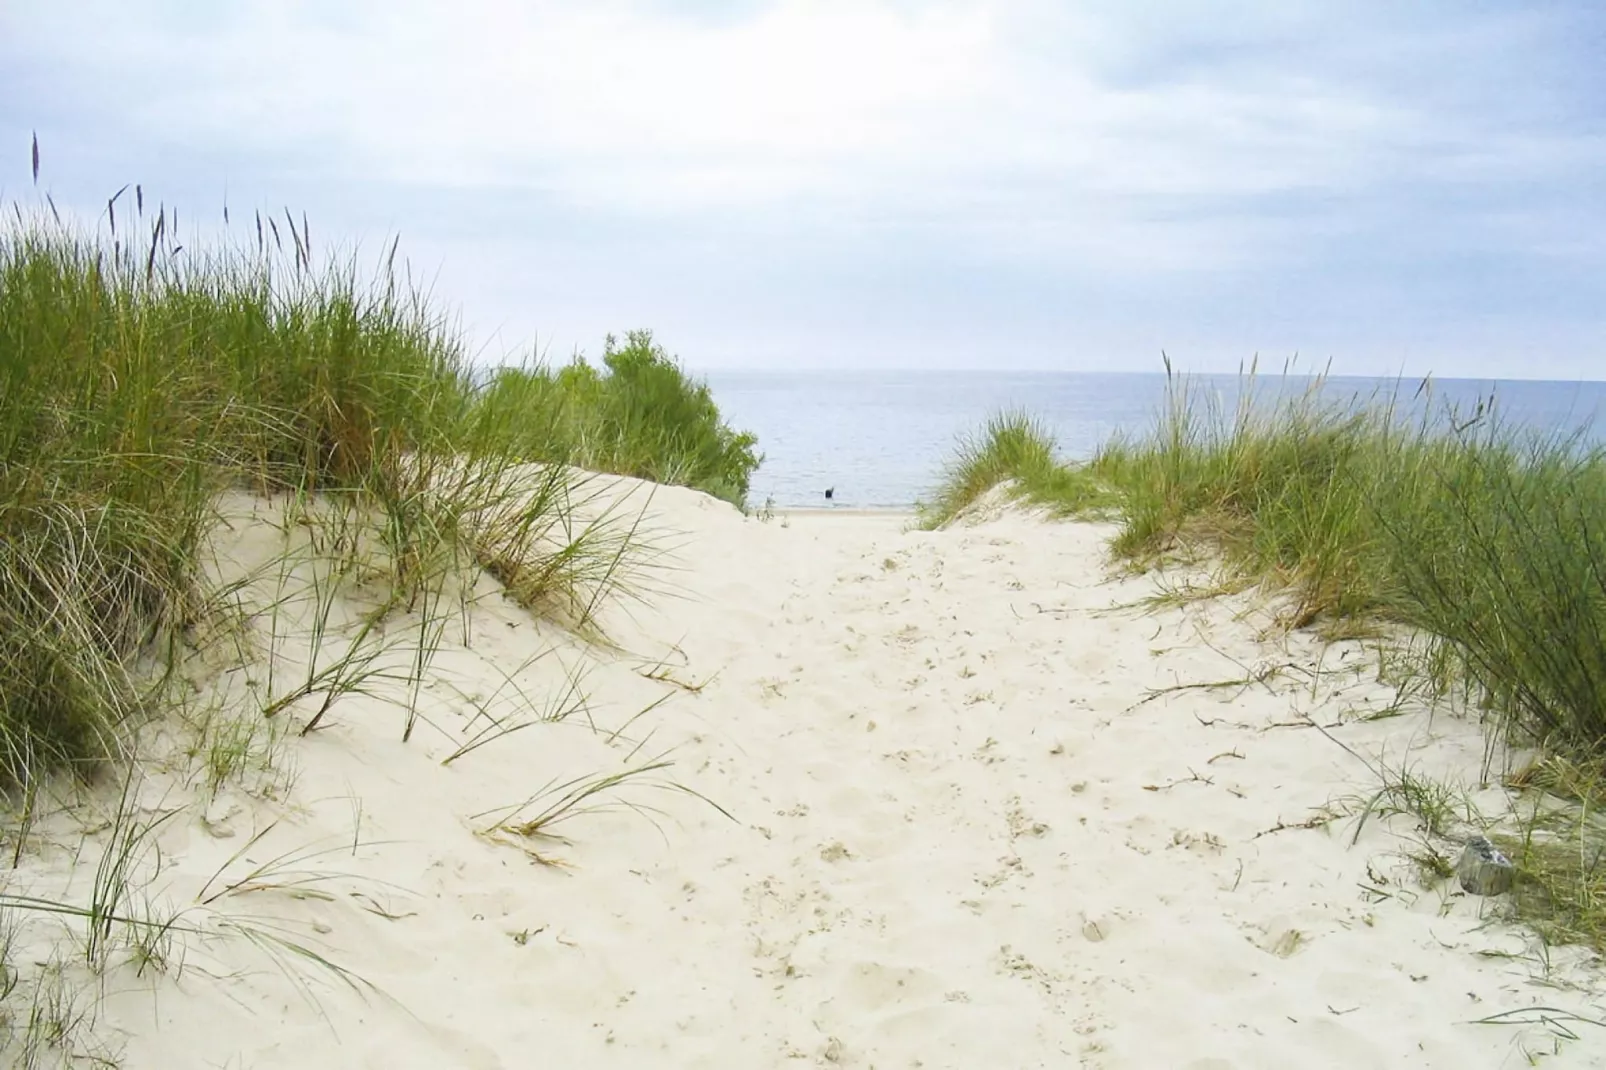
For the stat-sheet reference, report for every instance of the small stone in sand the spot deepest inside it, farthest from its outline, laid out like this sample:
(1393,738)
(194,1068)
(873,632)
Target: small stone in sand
(1482,869)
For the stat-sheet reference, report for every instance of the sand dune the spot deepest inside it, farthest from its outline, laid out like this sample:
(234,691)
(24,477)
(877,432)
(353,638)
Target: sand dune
(959,823)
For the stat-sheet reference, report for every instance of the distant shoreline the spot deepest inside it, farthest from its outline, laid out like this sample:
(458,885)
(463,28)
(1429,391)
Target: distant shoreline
(883,438)
(845,511)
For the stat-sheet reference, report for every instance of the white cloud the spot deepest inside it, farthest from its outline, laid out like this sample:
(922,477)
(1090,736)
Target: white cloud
(1088,141)
(635,107)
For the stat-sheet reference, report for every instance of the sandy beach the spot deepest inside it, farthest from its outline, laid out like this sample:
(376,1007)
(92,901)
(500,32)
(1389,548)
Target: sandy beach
(936,799)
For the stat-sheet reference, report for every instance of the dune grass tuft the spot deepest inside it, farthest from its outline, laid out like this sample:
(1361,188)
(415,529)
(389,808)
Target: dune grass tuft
(1372,515)
(1013,449)
(1490,540)
(1282,489)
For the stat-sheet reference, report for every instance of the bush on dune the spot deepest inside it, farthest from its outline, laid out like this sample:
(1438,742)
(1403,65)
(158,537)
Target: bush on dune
(641,415)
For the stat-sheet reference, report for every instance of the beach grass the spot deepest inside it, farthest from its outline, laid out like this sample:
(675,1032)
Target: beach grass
(1016,451)
(1379,516)
(1484,537)
(140,379)
(1489,539)
(143,385)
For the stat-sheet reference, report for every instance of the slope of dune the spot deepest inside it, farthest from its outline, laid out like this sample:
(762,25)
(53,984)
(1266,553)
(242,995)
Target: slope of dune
(932,799)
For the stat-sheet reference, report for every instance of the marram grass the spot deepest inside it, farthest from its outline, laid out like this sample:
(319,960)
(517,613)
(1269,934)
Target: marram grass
(1013,449)
(139,382)
(140,378)
(1488,540)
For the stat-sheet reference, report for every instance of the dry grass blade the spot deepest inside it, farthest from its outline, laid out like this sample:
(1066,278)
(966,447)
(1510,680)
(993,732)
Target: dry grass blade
(559,707)
(1555,1019)
(93,915)
(558,802)
(286,951)
(285,872)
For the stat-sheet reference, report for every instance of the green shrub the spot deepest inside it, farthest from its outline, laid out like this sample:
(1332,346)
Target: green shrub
(643,416)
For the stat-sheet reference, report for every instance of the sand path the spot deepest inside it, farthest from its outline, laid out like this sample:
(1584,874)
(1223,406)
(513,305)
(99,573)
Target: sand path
(974,851)
(961,839)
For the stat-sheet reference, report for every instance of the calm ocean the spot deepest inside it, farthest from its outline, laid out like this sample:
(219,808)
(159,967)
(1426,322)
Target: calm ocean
(881,438)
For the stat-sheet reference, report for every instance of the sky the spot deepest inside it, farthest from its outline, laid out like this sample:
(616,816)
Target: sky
(1378,188)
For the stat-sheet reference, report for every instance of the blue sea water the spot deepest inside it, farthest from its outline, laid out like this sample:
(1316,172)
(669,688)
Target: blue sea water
(880,438)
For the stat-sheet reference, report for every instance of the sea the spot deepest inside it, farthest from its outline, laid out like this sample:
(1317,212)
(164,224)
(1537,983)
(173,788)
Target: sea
(879,439)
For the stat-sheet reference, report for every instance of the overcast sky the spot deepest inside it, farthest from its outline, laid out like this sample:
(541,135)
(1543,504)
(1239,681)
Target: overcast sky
(1395,187)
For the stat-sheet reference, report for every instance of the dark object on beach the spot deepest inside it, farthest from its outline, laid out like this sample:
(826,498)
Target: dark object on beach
(1483,870)
(828,492)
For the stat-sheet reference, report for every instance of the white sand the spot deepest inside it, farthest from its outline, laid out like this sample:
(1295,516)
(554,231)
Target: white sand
(957,843)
